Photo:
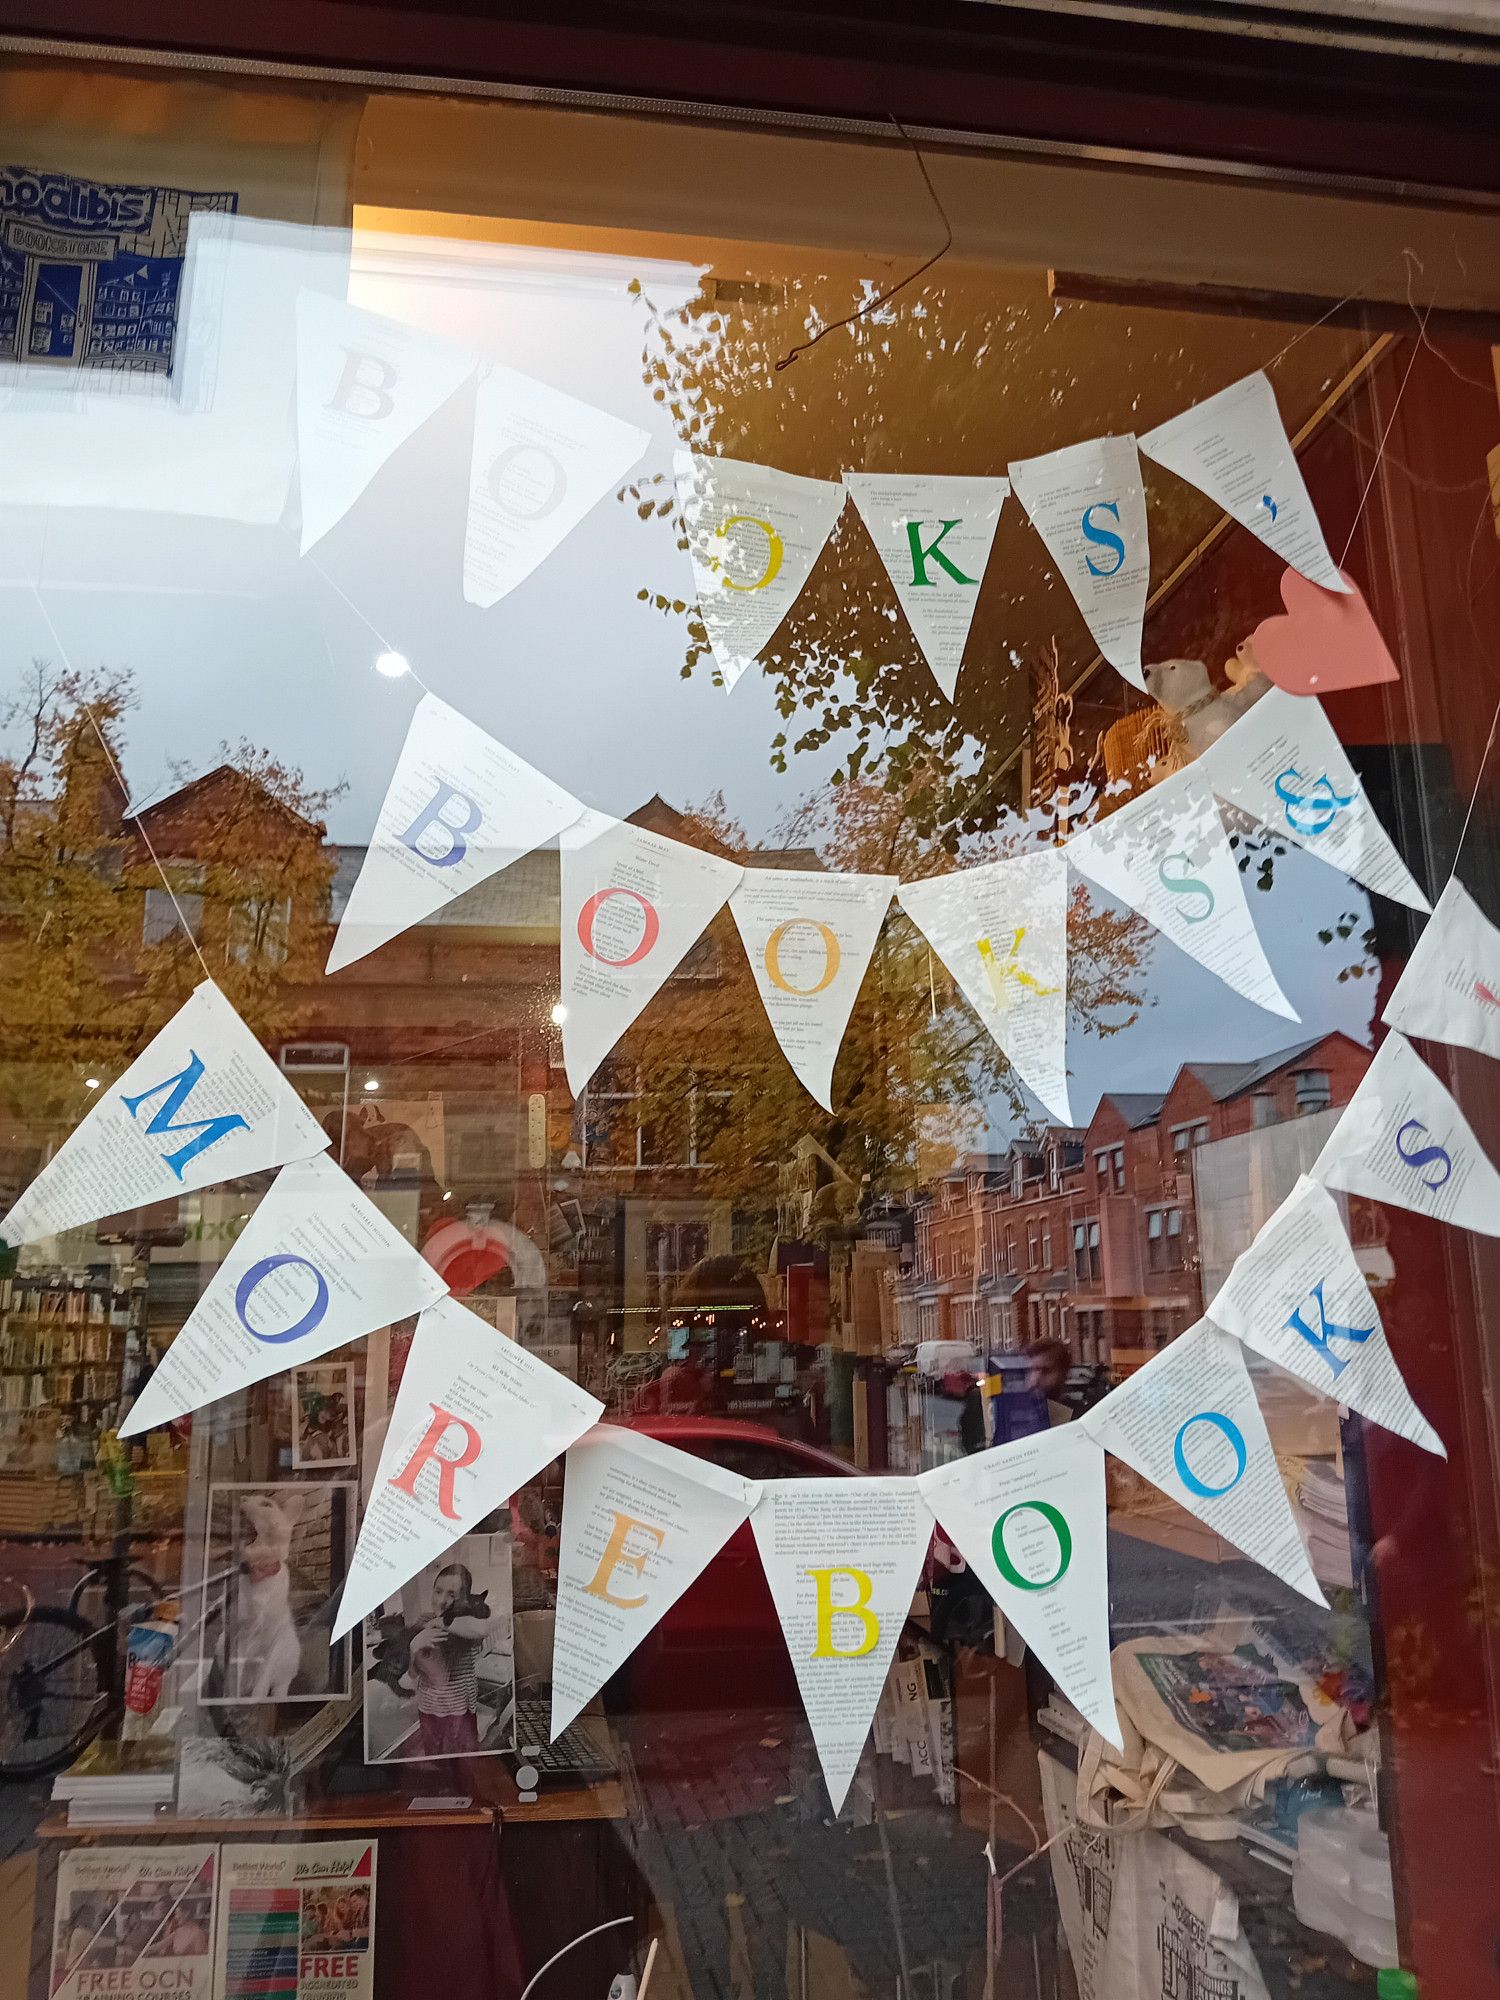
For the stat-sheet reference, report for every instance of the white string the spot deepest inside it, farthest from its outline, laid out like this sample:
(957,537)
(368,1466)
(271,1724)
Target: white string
(1489,744)
(1385,434)
(370,626)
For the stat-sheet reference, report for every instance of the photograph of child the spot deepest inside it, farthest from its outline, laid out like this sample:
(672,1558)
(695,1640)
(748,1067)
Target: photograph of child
(439,1660)
(274,1561)
(322,1415)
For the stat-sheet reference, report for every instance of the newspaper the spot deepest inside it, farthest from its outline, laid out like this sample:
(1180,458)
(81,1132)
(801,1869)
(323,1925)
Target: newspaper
(297,1921)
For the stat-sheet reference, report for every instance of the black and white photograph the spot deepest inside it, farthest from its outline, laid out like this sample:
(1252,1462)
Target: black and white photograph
(439,1660)
(322,1415)
(274,1561)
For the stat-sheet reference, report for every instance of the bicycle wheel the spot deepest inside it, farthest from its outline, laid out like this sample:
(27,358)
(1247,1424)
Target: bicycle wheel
(53,1693)
(87,1600)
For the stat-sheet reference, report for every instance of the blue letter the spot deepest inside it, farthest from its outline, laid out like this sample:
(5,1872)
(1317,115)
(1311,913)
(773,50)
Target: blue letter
(177,1088)
(1419,1156)
(264,1269)
(1328,1329)
(454,830)
(1104,538)
(1236,1444)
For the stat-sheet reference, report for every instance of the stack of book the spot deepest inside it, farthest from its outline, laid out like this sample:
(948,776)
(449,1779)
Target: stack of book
(1323,1503)
(118,1784)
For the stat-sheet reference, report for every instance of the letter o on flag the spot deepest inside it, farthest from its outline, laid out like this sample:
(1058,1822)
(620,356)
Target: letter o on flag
(1056,1522)
(831,957)
(246,1288)
(650,932)
(1234,1437)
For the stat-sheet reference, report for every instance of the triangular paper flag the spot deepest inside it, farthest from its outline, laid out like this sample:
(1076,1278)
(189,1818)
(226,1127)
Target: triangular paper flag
(633,905)
(641,1521)
(934,535)
(842,1558)
(809,936)
(1401,1138)
(1166,854)
(1088,505)
(540,460)
(459,809)
(1234,448)
(1189,1423)
(1297,1296)
(317,1266)
(364,384)
(754,535)
(202,1103)
(1283,764)
(1450,990)
(1002,931)
(1029,1520)
(475,1417)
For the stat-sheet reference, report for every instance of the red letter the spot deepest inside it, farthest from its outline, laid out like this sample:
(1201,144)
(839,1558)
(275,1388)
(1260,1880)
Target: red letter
(427,1453)
(651,923)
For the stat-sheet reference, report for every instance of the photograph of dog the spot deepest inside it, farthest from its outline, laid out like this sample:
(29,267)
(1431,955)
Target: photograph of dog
(322,1415)
(275,1557)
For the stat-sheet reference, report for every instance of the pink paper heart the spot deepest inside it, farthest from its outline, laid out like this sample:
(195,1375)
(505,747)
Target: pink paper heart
(1327,641)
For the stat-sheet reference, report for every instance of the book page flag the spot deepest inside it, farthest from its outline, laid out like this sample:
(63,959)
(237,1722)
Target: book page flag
(1322,642)
(1189,1423)
(1167,855)
(475,1417)
(202,1103)
(809,936)
(1401,1138)
(1283,764)
(754,535)
(842,1558)
(934,535)
(641,1521)
(364,385)
(460,807)
(633,905)
(317,1265)
(1450,990)
(540,460)
(1234,448)
(1002,931)
(1088,504)
(1298,1297)
(1029,1520)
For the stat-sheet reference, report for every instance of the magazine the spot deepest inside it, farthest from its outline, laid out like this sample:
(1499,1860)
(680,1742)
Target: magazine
(297,1921)
(134,1920)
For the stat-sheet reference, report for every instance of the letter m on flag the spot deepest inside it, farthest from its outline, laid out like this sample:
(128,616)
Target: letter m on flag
(171,1097)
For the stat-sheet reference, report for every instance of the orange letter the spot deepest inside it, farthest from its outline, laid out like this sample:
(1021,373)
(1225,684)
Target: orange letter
(427,1453)
(831,957)
(617,1556)
(828,1611)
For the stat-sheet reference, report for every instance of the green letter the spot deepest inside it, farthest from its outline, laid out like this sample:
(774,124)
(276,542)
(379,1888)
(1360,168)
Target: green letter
(1059,1528)
(934,551)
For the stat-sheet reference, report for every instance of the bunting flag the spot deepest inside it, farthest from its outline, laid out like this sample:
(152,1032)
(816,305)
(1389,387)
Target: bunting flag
(842,1558)
(934,535)
(1002,931)
(1234,448)
(1029,1520)
(539,461)
(1088,504)
(459,809)
(641,1521)
(809,936)
(1166,854)
(1283,764)
(318,1265)
(475,1417)
(202,1103)
(754,535)
(1297,1296)
(364,385)
(1402,1139)
(1450,990)
(633,905)
(1189,1423)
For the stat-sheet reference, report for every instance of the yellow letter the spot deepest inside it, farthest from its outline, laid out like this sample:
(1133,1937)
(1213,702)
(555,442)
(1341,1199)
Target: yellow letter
(1001,972)
(828,1611)
(774,550)
(830,952)
(617,1556)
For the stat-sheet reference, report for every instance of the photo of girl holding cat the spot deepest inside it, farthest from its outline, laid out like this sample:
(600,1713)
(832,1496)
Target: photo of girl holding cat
(439,1660)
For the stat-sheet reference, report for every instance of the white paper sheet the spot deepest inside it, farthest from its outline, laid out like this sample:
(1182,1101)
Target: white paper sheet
(202,1103)
(1166,854)
(316,1266)
(641,1521)
(1450,990)
(460,807)
(1029,1520)
(1282,763)
(364,385)
(1189,1423)
(809,936)
(540,460)
(633,905)
(842,1558)
(475,1417)
(1088,504)
(1234,448)
(1403,1139)
(1297,1296)
(934,533)
(754,535)
(1002,931)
